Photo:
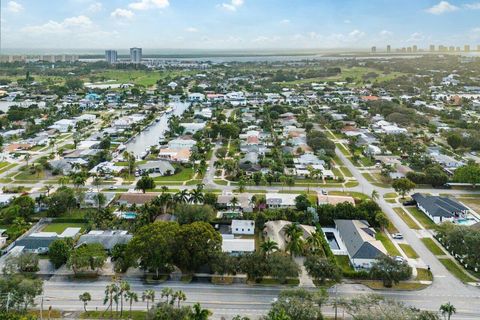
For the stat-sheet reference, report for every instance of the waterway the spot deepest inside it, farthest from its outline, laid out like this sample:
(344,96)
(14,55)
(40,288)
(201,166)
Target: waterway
(150,136)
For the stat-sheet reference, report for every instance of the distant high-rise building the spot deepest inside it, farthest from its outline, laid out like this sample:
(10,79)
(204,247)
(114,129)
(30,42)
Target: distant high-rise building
(409,49)
(457,49)
(451,48)
(136,55)
(374,49)
(432,48)
(111,56)
(389,49)
(466,48)
(414,48)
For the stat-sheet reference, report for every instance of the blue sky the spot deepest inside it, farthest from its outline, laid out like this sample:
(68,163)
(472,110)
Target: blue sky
(238,24)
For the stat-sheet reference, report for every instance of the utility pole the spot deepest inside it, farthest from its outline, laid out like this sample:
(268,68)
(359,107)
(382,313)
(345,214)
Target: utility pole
(336,287)
(41,310)
(8,296)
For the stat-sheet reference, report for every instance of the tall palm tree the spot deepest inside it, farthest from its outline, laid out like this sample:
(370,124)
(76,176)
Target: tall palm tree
(179,296)
(110,295)
(148,295)
(375,195)
(85,298)
(234,202)
(199,313)
(295,243)
(447,309)
(48,188)
(124,287)
(314,242)
(167,293)
(131,297)
(269,246)
(182,196)
(196,196)
(27,157)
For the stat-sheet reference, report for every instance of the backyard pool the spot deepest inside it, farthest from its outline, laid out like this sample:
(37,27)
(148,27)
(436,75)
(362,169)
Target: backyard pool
(332,241)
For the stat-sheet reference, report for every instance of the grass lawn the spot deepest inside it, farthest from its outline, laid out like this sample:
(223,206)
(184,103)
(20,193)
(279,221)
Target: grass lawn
(402,286)
(353,194)
(426,222)
(351,184)
(433,247)
(456,270)
(136,315)
(346,172)
(424,275)
(391,249)
(406,218)
(344,263)
(26,175)
(390,195)
(343,149)
(369,177)
(184,175)
(408,250)
(60,227)
(8,167)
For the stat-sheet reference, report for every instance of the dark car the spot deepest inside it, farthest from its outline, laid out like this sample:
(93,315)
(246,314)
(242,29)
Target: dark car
(409,203)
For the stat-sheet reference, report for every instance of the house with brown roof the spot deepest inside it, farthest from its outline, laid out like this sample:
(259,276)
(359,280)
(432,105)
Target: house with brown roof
(135,198)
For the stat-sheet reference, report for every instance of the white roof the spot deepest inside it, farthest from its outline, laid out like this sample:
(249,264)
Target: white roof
(243,224)
(44,234)
(238,245)
(70,232)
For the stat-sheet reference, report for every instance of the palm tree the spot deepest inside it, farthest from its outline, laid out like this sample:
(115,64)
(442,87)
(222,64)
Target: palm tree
(124,288)
(447,310)
(48,187)
(241,185)
(234,202)
(375,195)
(85,298)
(314,242)
(148,295)
(182,196)
(110,295)
(196,196)
(27,157)
(199,313)
(295,243)
(63,180)
(167,293)
(269,246)
(179,296)
(131,297)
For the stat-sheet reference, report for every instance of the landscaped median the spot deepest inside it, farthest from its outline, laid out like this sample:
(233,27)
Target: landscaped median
(456,270)
(425,221)
(406,218)
(433,247)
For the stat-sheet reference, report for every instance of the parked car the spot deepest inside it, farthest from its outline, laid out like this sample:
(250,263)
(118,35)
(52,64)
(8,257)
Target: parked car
(324,192)
(397,236)
(399,259)
(409,203)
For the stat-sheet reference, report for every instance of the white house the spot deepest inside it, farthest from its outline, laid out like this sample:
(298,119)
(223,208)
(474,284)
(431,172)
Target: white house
(280,200)
(245,227)
(236,246)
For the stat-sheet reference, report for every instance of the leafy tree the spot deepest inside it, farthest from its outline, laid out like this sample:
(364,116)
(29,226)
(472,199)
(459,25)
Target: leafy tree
(390,271)
(145,183)
(154,246)
(90,256)
(210,198)
(121,258)
(302,203)
(298,304)
(454,140)
(194,213)
(321,268)
(61,201)
(403,186)
(199,313)
(26,206)
(25,262)
(23,289)
(468,174)
(197,243)
(59,251)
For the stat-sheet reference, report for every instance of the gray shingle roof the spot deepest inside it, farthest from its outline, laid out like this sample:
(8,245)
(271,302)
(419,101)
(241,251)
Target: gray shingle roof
(360,243)
(439,206)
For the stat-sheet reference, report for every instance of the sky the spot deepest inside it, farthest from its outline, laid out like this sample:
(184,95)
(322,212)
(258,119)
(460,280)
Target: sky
(237,24)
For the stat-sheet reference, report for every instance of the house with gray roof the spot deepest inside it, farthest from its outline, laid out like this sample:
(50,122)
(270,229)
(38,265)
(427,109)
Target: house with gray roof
(440,209)
(108,239)
(159,167)
(359,238)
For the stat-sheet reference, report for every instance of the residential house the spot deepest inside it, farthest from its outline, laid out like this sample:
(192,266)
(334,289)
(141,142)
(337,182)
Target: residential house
(107,238)
(440,209)
(359,238)
(243,227)
(157,167)
(135,198)
(280,200)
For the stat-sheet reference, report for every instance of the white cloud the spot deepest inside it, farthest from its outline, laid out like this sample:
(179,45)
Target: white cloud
(442,7)
(14,7)
(386,34)
(416,37)
(95,7)
(65,26)
(473,6)
(122,14)
(233,5)
(191,29)
(149,4)
(285,21)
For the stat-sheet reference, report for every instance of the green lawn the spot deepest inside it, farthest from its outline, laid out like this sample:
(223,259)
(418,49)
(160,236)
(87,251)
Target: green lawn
(26,175)
(60,227)
(456,270)
(343,149)
(390,195)
(433,247)
(425,221)
(344,263)
(424,275)
(346,172)
(406,218)
(408,250)
(184,175)
(391,249)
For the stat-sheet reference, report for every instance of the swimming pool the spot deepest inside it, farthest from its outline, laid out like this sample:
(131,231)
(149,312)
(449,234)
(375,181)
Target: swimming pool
(332,241)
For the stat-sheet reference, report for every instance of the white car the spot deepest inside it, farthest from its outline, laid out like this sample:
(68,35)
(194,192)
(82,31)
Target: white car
(397,236)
